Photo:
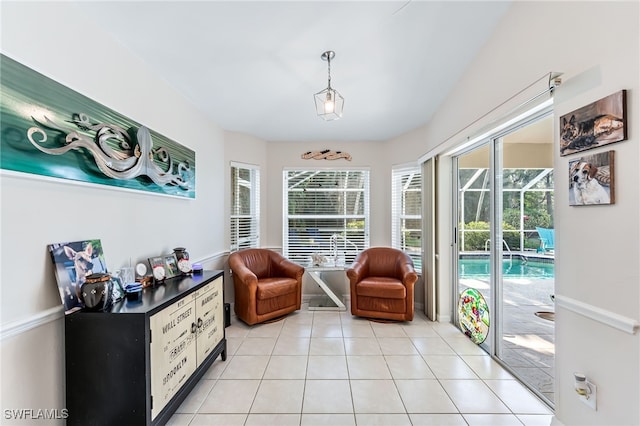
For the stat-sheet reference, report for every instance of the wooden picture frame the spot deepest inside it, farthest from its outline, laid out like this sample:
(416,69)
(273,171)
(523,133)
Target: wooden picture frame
(599,123)
(592,180)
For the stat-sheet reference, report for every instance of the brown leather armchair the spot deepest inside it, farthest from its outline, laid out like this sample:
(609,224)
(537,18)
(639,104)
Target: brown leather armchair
(266,285)
(382,281)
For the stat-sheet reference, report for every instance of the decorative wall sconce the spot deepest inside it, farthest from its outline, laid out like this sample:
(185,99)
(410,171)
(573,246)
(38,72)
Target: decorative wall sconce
(329,102)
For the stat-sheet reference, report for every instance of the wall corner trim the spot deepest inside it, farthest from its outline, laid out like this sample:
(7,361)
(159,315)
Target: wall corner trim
(20,326)
(612,319)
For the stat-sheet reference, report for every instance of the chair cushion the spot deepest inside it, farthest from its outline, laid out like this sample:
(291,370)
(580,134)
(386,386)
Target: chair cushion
(274,287)
(382,287)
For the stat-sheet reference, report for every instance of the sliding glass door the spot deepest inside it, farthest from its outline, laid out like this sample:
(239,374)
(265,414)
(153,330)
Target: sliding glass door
(525,343)
(504,271)
(474,292)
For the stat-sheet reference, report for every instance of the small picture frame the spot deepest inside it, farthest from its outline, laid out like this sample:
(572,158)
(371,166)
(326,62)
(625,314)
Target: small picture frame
(158,271)
(592,180)
(171,266)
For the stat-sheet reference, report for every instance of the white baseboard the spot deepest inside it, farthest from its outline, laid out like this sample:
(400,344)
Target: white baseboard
(443,318)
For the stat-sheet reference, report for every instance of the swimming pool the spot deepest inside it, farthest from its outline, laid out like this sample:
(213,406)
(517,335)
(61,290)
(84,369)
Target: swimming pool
(511,268)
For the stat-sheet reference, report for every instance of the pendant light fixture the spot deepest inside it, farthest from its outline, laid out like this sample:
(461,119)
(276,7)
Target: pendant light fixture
(329,102)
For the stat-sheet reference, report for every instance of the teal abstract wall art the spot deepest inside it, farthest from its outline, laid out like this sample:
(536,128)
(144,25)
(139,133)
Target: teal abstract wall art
(47,129)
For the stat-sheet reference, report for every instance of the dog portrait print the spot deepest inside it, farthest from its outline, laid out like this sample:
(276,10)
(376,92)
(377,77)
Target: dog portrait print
(591,180)
(600,123)
(82,262)
(73,262)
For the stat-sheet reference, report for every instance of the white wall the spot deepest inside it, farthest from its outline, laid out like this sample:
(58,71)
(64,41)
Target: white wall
(72,51)
(597,248)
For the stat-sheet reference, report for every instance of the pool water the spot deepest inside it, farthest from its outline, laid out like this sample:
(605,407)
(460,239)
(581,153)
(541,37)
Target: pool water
(511,268)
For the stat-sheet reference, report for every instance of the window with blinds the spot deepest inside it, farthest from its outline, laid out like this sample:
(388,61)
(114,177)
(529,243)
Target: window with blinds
(245,206)
(406,212)
(327,213)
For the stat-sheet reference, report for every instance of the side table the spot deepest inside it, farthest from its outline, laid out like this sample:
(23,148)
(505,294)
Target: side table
(330,302)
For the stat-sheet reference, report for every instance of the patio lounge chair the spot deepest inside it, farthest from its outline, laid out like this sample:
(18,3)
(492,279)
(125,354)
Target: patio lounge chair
(547,238)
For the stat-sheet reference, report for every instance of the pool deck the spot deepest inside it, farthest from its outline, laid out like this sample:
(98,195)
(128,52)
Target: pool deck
(528,340)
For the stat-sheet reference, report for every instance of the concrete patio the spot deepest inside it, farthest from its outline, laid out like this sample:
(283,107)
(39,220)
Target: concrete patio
(528,341)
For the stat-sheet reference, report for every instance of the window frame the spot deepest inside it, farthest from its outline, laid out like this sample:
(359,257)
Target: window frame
(399,208)
(337,248)
(253,217)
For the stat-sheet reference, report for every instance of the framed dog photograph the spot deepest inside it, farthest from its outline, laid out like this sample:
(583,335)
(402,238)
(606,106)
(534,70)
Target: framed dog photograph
(591,180)
(599,123)
(73,262)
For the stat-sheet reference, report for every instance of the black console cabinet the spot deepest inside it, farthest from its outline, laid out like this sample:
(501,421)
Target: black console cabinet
(136,364)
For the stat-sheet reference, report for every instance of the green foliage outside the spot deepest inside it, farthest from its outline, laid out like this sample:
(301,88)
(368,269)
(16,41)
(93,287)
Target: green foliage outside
(532,219)
(476,235)
(537,209)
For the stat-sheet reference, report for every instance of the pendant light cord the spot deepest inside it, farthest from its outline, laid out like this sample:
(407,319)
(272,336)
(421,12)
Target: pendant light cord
(329,71)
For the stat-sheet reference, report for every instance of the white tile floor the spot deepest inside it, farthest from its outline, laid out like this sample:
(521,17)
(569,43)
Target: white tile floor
(330,368)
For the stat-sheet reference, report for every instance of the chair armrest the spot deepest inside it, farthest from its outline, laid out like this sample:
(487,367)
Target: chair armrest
(289,269)
(357,272)
(243,273)
(408,274)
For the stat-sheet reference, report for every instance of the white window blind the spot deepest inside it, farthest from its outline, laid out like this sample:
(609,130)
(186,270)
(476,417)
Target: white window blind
(406,212)
(245,206)
(327,212)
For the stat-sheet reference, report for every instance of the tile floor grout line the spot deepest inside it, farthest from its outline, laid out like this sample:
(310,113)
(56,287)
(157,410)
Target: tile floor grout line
(353,404)
(384,356)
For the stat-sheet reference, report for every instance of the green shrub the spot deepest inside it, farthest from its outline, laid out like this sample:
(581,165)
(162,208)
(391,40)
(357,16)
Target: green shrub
(477,233)
(533,218)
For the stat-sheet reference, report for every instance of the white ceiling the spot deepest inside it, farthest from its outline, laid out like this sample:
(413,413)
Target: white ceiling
(253,67)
